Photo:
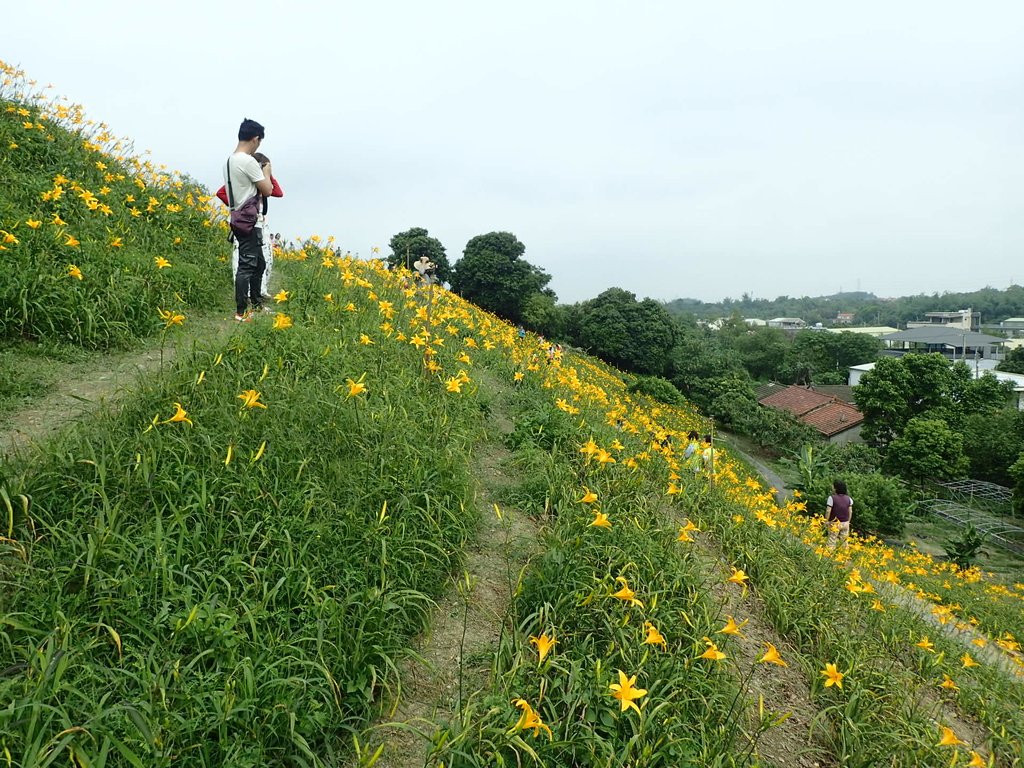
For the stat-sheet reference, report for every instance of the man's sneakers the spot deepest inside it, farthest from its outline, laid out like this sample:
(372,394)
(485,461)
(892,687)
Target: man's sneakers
(249,314)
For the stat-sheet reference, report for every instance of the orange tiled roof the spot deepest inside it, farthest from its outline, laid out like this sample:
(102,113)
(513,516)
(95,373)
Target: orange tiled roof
(826,414)
(833,418)
(796,400)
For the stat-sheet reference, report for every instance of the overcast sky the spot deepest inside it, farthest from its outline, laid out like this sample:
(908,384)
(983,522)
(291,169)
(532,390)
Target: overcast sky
(673,148)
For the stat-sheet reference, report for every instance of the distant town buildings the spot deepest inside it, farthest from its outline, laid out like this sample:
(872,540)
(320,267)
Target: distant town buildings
(963,319)
(787,323)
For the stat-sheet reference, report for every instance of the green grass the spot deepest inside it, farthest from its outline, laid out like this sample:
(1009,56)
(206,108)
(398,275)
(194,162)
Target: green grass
(82,224)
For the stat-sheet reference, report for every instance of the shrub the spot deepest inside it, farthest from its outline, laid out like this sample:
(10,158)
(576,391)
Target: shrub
(658,388)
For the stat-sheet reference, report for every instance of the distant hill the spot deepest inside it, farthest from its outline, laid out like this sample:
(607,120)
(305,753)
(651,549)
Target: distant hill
(995,305)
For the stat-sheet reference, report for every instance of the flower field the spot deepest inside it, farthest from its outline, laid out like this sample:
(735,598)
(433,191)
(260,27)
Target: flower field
(93,238)
(230,570)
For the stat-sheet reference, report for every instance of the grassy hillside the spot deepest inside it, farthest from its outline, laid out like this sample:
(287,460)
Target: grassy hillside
(93,239)
(230,569)
(230,584)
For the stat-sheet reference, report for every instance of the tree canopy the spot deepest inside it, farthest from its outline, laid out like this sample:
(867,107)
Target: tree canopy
(493,275)
(634,335)
(407,247)
(928,449)
(902,388)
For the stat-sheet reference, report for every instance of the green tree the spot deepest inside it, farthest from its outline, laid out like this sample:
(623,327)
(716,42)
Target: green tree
(493,275)
(760,350)
(993,442)
(881,503)
(698,360)
(897,390)
(1016,472)
(407,247)
(928,449)
(634,335)
(541,314)
(1013,362)
(823,357)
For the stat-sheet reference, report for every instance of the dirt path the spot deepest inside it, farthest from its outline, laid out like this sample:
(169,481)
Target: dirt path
(455,655)
(85,387)
(783,691)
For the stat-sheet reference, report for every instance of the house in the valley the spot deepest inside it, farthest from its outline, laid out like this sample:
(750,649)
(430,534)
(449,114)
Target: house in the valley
(836,420)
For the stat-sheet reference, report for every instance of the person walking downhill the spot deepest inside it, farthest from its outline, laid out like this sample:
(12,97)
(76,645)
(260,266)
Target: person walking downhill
(245,179)
(838,511)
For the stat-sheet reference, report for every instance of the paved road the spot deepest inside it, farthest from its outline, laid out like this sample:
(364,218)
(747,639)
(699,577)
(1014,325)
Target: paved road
(770,476)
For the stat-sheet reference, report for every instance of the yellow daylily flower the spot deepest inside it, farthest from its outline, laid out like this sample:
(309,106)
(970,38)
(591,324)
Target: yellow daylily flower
(949,739)
(732,628)
(626,691)
(355,387)
(529,719)
(251,399)
(180,415)
(926,644)
(832,676)
(282,322)
(712,653)
(75,272)
(772,656)
(589,497)
(626,594)
(738,577)
(967,661)
(281,296)
(947,682)
(171,318)
(654,637)
(543,644)
(161,262)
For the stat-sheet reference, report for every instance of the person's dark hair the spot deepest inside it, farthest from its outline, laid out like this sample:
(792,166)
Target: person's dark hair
(260,158)
(839,487)
(250,129)
(707,438)
(693,435)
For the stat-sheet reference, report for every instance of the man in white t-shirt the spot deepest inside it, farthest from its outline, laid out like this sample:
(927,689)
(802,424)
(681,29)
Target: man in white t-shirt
(244,178)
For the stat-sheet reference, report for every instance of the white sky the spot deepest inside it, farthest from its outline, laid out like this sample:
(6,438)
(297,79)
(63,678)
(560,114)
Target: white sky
(671,148)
